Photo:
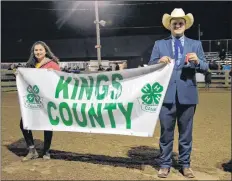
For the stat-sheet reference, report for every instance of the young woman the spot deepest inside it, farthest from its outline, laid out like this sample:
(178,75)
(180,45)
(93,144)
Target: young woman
(41,57)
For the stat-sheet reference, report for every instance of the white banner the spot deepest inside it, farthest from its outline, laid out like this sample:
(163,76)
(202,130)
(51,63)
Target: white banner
(124,102)
(200,77)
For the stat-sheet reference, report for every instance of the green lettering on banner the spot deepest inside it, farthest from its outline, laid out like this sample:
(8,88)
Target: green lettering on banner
(110,107)
(49,107)
(75,89)
(97,117)
(126,113)
(82,123)
(105,88)
(64,106)
(117,85)
(87,88)
(63,86)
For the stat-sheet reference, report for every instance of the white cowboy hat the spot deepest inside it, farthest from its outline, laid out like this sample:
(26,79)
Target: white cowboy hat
(178,13)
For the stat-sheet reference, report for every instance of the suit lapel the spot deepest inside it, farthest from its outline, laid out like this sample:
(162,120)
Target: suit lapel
(169,46)
(186,49)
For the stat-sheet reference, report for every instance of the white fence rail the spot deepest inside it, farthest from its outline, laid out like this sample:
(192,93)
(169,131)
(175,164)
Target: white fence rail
(220,79)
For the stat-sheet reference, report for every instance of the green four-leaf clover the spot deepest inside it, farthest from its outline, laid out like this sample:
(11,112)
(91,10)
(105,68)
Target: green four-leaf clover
(32,94)
(151,94)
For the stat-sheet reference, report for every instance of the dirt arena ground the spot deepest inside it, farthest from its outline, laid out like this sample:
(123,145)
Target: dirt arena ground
(78,156)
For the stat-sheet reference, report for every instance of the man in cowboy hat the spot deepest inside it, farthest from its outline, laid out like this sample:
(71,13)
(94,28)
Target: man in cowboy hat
(181,96)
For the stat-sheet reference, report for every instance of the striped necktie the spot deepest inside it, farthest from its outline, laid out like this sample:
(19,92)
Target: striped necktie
(177,45)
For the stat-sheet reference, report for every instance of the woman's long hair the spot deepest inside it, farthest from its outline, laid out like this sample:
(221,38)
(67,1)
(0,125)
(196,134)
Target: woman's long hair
(33,60)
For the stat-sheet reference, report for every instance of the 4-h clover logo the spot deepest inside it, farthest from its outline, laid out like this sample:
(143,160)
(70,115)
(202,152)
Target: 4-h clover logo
(32,100)
(151,96)
(32,95)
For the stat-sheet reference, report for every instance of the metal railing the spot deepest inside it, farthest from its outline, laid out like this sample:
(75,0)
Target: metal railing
(219,79)
(217,45)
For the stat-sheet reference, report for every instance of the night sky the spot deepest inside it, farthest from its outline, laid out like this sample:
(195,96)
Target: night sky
(40,20)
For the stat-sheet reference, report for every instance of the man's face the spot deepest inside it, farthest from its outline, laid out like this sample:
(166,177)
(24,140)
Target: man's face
(177,26)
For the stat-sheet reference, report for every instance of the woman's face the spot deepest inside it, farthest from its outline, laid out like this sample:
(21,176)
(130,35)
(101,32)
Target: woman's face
(39,52)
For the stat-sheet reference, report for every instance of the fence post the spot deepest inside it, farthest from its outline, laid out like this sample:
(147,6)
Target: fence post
(226,78)
(209,45)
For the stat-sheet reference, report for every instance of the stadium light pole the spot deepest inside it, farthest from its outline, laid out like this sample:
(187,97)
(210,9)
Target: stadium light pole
(98,23)
(199,31)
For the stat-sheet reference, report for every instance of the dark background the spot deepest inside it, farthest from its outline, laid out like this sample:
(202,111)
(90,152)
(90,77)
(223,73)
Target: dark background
(23,23)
